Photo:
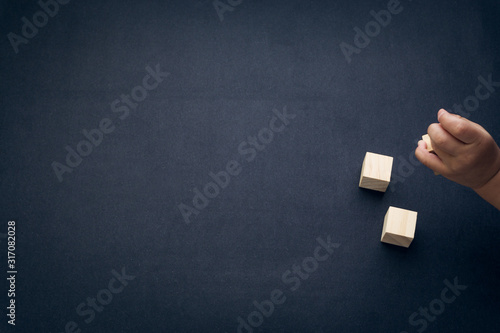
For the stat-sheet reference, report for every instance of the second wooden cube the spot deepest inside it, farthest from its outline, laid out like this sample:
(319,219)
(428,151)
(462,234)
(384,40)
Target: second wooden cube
(399,226)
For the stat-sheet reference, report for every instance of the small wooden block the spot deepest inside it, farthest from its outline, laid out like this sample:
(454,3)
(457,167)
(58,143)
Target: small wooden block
(427,140)
(376,172)
(399,227)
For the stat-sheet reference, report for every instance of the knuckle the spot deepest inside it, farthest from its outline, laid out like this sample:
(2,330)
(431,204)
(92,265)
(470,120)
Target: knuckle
(439,139)
(431,128)
(460,128)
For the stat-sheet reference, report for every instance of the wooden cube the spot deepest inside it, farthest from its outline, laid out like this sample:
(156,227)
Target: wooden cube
(427,140)
(399,226)
(376,172)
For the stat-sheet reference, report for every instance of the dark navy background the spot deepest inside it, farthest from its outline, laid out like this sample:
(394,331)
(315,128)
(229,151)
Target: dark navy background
(118,208)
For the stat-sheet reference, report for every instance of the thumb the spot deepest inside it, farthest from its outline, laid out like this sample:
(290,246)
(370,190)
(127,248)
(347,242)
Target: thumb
(461,128)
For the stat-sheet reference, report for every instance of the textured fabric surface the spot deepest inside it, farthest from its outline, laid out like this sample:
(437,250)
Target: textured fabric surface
(173,165)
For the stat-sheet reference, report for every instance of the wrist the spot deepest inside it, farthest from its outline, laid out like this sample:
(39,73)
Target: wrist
(491,191)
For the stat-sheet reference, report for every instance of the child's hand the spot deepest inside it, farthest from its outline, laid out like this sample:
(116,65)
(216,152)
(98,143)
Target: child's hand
(465,152)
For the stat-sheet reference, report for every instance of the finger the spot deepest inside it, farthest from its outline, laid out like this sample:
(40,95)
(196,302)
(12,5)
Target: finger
(443,156)
(461,128)
(443,141)
(430,160)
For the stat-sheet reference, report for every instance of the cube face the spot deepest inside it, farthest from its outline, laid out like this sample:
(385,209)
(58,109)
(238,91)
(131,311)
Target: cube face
(427,140)
(376,172)
(399,227)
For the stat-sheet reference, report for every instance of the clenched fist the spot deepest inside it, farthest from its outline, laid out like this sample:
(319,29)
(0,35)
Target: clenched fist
(464,153)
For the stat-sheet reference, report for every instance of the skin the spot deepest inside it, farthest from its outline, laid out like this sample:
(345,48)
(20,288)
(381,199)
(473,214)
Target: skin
(464,153)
